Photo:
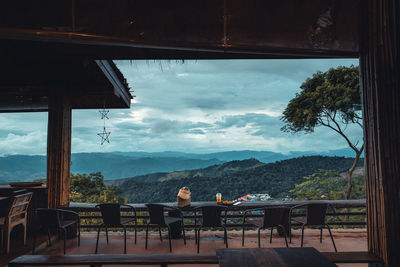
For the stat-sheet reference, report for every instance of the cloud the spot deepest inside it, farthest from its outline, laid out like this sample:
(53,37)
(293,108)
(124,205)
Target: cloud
(197,106)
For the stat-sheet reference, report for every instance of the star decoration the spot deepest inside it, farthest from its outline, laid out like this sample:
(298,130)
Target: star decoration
(104,113)
(104,136)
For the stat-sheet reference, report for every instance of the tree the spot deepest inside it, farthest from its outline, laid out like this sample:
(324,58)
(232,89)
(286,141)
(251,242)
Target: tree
(91,189)
(323,184)
(330,99)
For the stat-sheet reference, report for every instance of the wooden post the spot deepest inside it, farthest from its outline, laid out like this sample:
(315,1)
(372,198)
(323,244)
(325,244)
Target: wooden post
(380,82)
(58,150)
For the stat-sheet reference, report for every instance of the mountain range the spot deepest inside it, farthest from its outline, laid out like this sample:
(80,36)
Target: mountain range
(116,165)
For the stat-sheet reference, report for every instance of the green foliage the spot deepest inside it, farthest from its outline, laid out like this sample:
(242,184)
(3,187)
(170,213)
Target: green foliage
(327,184)
(327,96)
(91,189)
(323,184)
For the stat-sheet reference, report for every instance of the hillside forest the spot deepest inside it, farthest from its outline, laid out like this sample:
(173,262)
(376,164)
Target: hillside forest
(312,177)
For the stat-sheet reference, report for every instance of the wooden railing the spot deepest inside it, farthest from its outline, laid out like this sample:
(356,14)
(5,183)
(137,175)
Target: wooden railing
(348,213)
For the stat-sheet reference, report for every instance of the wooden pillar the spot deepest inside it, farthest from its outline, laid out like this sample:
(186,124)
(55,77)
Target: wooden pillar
(59,150)
(380,82)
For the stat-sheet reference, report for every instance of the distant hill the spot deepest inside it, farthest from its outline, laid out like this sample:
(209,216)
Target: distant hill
(212,171)
(114,166)
(263,156)
(275,179)
(20,168)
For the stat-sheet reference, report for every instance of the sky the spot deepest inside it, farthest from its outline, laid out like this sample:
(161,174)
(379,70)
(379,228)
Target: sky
(192,106)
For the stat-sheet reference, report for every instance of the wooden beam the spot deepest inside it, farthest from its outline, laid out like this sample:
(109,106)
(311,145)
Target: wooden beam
(59,150)
(380,81)
(120,88)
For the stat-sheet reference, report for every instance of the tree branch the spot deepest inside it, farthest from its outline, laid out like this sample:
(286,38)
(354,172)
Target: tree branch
(339,131)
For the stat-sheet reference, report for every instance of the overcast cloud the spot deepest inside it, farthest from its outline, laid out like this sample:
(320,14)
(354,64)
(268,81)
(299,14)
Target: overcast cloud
(195,106)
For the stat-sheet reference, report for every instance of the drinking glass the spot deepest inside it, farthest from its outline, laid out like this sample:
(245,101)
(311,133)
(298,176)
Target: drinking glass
(219,198)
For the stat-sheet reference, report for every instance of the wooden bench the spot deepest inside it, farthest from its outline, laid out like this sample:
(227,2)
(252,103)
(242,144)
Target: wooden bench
(353,257)
(97,260)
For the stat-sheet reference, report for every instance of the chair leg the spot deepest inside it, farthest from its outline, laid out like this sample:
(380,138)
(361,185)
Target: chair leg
(48,236)
(284,234)
(290,232)
(8,237)
(1,240)
(147,234)
(243,236)
(97,241)
(259,245)
(169,238)
(195,234)
(226,237)
(34,243)
(270,236)
(79,234)
(159,231)
(24,224)
(302,235)
(330,233)
(198,240)
(184,236)
(65,239)
(195,229)
(135,231)
(107,235)
(320,235)
(124,240)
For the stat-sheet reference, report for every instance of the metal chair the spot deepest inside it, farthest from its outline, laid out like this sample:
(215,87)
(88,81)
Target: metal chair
(157,218)
(15,215)
(315,216)
(273,217)
(56,219)
(211,217)
(112,218)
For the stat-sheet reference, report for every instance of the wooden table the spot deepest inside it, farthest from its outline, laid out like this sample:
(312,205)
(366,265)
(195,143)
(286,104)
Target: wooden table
(273,257)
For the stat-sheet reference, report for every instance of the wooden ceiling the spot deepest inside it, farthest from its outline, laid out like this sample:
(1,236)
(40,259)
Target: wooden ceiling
(46,45)
(181,29)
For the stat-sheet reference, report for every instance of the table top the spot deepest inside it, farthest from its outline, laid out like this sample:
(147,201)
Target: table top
(240,206)
(274,257)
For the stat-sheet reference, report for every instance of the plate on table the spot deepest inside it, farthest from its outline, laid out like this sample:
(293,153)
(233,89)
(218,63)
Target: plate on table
(25,184)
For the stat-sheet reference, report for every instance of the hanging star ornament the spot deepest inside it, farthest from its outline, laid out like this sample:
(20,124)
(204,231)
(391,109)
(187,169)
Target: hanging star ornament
(104,136)
(104,114)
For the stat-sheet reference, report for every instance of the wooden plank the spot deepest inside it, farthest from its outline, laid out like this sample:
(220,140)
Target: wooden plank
(352,257)
(274,257)
(380,81)
(59,150)
(87,259)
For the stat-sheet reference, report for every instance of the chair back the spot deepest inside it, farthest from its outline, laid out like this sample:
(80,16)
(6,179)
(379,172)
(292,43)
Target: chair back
(316,213)
(275,216)
(48,218)
(19,208)
(111,213)
(212,216)
(156,213)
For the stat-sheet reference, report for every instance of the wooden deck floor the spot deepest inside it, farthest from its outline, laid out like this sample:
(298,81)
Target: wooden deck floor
(346,240)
